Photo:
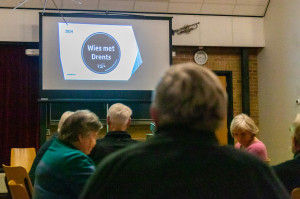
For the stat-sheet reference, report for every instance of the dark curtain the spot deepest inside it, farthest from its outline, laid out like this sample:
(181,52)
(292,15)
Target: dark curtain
(19,111)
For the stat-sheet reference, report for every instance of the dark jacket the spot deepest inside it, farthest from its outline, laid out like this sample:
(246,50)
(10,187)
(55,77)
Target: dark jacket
(182,163)
(289,172)
(113,141)
(39,156)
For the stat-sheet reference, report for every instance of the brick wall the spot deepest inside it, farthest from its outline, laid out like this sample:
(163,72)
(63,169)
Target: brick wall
(228,59)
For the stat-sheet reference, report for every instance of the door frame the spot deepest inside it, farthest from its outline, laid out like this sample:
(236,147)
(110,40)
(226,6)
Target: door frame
(228,75)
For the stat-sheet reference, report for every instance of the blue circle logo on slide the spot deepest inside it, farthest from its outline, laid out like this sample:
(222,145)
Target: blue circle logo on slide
(101,53)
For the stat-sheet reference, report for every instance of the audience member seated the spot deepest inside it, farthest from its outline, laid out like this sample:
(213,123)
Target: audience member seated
(184,159)
(118,120)
(289,171)
(46,145)
(65,167)
(244,131)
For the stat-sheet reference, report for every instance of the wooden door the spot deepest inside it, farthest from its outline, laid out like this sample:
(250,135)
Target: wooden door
(222,132)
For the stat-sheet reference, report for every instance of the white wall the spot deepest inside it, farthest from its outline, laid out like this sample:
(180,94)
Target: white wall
(22,25)
(279,77)
(19,25)
(220,31)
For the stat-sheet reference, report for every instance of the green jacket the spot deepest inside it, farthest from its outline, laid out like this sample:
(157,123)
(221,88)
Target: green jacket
(62,172)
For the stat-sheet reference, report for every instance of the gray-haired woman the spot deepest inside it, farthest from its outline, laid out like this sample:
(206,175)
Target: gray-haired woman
(65,167)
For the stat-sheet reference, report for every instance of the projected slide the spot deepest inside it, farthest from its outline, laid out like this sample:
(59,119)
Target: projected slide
(98,52)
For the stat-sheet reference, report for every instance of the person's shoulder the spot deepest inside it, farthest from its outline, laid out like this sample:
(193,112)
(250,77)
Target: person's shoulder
(134,140)
(103,143)
(130,151)
(75,159)
(152,147)
(287,164)
(135,148)
(257,145)
(240,156)
(46,144)
(78,156)
(62,150)
(259,142)
(101,140)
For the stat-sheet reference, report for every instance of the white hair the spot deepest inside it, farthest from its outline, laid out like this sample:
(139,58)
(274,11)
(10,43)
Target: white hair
(63,117)
(244,123)
(119,114)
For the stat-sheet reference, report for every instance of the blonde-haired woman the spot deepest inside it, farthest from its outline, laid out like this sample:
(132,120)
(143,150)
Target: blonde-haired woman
(244,131)
(46,145)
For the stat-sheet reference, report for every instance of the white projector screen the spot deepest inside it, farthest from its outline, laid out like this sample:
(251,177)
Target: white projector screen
(92,56)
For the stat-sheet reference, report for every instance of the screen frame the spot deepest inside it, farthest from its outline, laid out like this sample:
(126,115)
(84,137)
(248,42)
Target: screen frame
(107,95)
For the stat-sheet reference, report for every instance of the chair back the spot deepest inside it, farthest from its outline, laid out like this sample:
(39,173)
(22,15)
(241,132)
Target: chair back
(295,193)
(19,175)
(18,191)
(22,157)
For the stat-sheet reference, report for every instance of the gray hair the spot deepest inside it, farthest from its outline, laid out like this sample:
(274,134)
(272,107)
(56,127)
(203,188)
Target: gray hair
(244,123)
(63,117)
(119,114)
(192,95)
(81,122)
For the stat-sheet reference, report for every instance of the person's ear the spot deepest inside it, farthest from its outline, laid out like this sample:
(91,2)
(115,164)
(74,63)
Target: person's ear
(295,142)
(108,120)
(80,138)
(129,122)
(154,115)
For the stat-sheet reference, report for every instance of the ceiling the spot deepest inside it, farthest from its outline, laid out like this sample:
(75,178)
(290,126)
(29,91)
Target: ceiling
(201,7)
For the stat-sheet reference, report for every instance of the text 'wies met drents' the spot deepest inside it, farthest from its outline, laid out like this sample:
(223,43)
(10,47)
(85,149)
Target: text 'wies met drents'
(94,48)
